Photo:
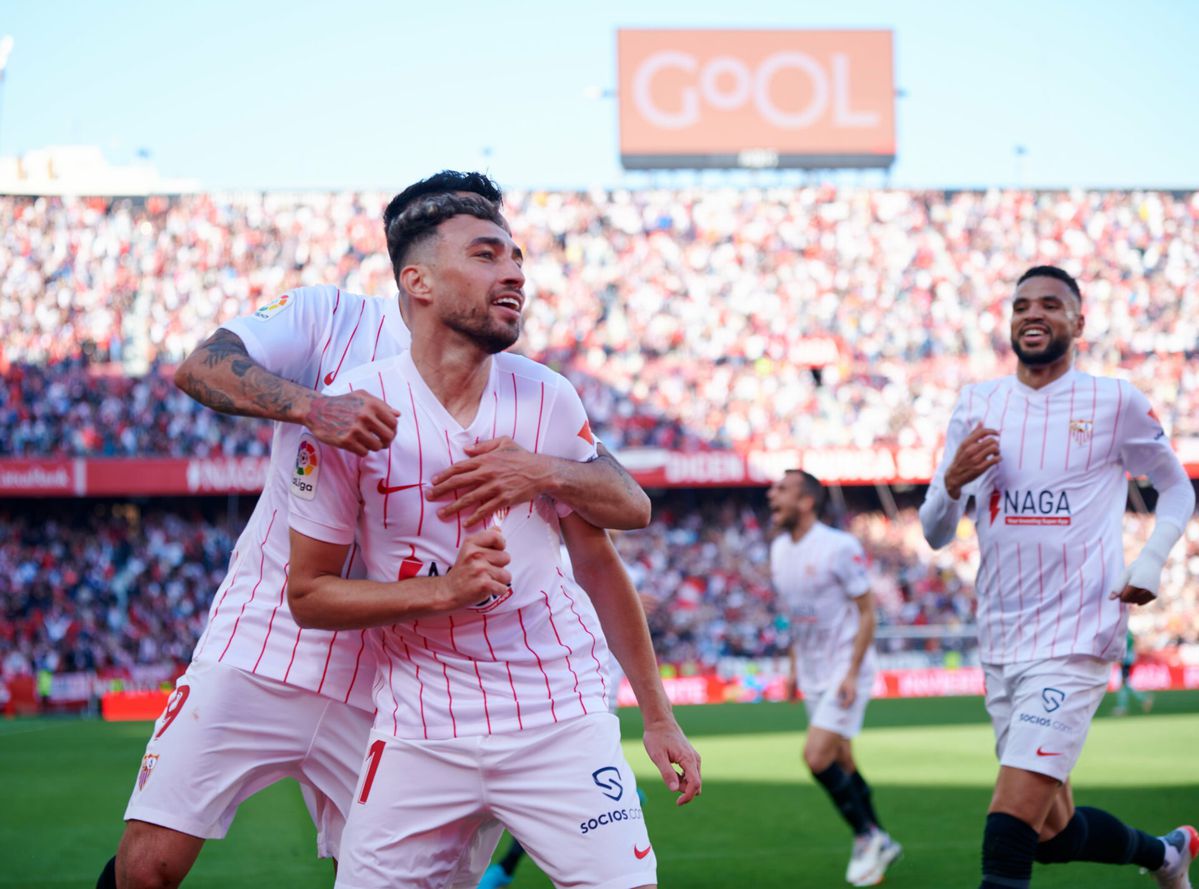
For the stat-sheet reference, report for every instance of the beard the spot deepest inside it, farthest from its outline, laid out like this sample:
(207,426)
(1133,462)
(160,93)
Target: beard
(489,335)
(1049,353)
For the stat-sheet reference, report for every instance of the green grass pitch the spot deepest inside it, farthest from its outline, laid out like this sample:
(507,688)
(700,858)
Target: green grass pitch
(761,821)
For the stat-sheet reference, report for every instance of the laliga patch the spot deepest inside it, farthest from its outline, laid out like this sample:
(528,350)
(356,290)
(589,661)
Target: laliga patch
(149,761)
(280,303)
(308,464)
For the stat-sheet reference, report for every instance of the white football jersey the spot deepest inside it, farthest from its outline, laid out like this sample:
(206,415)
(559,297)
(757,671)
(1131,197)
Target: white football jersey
(817,578)
(310,336)
(1049,514)
(532,657)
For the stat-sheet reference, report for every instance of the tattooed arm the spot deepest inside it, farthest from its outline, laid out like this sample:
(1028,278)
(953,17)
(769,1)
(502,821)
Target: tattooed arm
(220,374)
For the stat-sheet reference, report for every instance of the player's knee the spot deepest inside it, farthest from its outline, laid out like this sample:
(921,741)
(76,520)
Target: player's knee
(148,873)
(818,758)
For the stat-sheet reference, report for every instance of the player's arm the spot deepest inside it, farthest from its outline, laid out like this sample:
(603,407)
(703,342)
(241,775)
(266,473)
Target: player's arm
(601,573)
(320,598)
(499,473)
(848,691)
(1146,451)
(968,454)
(262,365)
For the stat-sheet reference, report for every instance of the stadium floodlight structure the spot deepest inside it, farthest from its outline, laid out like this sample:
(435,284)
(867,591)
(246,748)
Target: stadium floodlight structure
(6,45)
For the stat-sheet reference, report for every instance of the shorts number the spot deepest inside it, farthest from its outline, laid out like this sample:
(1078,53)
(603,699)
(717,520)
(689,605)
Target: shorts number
(174,704)
(374,754)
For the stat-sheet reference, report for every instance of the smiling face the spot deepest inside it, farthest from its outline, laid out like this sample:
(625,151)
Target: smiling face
(1046,319)
(470,276)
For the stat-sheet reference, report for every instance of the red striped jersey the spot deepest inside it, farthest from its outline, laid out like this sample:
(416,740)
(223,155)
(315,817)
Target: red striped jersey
(1049,514)
(532,657)
(311,336)
(817,579)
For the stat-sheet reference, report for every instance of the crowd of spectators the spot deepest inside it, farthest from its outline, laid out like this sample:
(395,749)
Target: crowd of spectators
(753,318)
(119,586)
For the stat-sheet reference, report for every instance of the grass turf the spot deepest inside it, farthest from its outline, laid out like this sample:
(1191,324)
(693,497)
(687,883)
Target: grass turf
(761,820)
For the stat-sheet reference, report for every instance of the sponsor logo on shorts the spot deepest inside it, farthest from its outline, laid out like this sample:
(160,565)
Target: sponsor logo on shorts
(149,761)
(607,780)
(273,308)
(614,816)
(303,480)
(1045,722)
(1041,751)
(1051,699)
(640,853)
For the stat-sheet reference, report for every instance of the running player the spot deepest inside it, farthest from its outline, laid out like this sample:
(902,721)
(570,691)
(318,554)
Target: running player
(819,575)
(497,711)
(263,699)
(1044,454)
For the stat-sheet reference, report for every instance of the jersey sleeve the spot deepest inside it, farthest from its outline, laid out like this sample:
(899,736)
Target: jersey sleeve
(850,569)
(568,432)
(940,513)
(285,335)
(324,500)
(1145,451)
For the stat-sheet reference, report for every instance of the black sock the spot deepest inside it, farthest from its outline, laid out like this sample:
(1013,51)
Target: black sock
(1111,841)
(840,788)
(1067,845)
(108,877)
(1008,849)
(866,795)
(512,857)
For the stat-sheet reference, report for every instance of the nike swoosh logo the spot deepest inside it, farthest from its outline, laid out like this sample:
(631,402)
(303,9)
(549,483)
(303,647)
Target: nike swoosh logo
(1041,752)
(640,853)
(391,489)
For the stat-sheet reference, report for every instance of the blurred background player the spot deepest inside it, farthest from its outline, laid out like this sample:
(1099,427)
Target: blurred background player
(819,573)
(262,699)
(1127,693)
(1044,455)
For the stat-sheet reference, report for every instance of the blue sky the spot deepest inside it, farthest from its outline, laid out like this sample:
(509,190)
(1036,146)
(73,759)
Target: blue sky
(320,95)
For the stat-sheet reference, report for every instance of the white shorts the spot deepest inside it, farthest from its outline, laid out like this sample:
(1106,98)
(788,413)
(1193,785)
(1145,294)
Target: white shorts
(564,791)
(826,712)
(226,734)
(1042,710)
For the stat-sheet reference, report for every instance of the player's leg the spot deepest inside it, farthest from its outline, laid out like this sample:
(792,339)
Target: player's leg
(826,753)
(1041,713)
(567,794)
(500,874)
(224,735)
(1089,834)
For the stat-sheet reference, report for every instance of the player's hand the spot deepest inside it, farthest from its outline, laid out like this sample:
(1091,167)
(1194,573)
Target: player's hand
(977,453)
(668,747)
(1141,579)
(497,474)
(847,691)
(791,689)
(356,421)
(478,573)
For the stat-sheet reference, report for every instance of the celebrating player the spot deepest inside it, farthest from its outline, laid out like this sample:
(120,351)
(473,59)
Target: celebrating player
(262,698)
(1044,454)
(820,577)
(499,710)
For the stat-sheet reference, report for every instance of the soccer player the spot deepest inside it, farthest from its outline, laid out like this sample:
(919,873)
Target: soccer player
(497,711)
(819,576)
(263,699)
(1043,454)
(1127,693)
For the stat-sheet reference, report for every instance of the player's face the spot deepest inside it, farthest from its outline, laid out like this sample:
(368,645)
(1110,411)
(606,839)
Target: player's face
(1045,321)
(784,500)
(480,284)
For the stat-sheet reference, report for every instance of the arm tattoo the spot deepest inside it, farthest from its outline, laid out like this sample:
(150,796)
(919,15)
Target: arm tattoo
(224,344)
